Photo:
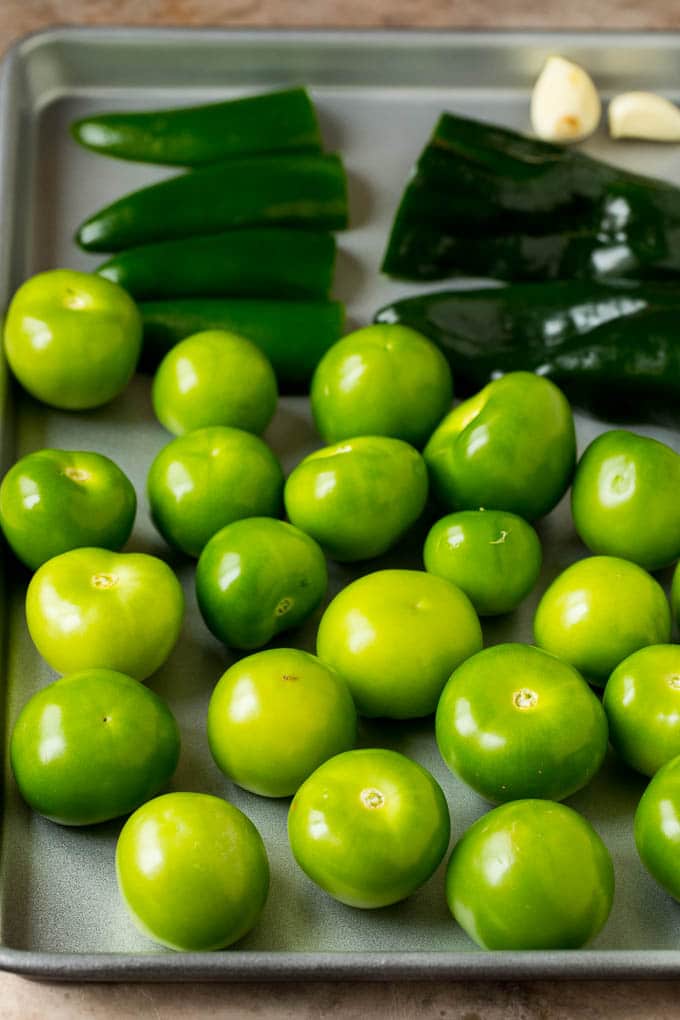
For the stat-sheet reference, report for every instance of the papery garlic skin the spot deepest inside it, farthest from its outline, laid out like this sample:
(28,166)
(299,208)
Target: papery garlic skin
(565,105)
(644,115)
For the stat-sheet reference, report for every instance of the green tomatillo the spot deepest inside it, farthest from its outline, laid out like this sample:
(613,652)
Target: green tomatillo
(72,339)
(214,378)
(258,577)
(206,479)
(625,499)
(95,609)
(55,500)
(396,636)
(192,871)
(494,556)
(381,380)
(510,447)
(514,722)
(531,874)
(369,826)
(358,497)
(275,716)
(93,746)
(600,610)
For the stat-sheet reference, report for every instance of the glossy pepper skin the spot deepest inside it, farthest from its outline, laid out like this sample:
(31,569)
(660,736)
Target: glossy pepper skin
(303,190)
(193,135)
(293,334)
(262,262)
(485,200)
(613,347)
(511,447)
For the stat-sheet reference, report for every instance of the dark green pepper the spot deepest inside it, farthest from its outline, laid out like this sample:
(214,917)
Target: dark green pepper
(190,136)
(486,201)
(308,191)
(273,263)
(613,347)
(293,334)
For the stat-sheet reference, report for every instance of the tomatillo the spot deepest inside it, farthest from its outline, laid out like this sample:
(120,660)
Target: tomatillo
(657,827)
(358,497)
(494,556)
(275,716)
(642,702)
(382,380)
(72,339)
(396,636)
(625,499)
(531,874)
(55,500)
(514,722)
(258,577)
(599,611)
(192,871)
(369,826)
(206,479)
(95,609)
(214,378)
(93,746)
(510,447)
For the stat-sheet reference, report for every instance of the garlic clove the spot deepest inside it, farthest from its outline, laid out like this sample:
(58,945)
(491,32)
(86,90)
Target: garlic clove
(565,105)
(644,115)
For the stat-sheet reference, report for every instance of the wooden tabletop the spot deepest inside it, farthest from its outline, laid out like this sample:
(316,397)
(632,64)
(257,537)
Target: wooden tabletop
(24,999)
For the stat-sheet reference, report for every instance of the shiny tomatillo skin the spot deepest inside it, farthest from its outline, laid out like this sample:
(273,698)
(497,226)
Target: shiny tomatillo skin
(95,609)
(258,577)
(494,556)
(204,480)
(531,874)
(381,802)
(600,610)
(510,447)
(514,722)
(275,716)
(381,380)
(624,499)
(92,746)
(642,702)
(395,636)
(357,497)
(657,827)
(72,339)
(192,871)
(55,500)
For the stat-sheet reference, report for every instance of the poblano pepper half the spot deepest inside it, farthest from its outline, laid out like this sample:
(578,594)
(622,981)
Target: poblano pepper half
(613,347)
(487,201)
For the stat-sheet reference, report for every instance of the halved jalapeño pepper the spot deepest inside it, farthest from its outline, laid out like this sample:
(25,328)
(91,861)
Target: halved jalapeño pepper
(486,201)
(194,135)
(262,262)
(302,191)
(293,334)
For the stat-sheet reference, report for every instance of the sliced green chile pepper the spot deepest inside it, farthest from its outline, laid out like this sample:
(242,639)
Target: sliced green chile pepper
(189,136)
(302,190)
(613,347)
(293,334)
(273,263)
(488,201)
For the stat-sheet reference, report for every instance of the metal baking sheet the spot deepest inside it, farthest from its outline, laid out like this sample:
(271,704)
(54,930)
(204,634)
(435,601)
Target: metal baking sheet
(378,95)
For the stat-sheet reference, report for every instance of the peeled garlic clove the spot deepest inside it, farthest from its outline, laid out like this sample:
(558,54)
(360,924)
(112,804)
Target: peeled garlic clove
(565,106)
(644,115)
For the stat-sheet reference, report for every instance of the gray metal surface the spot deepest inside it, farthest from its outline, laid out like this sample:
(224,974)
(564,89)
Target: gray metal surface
(378,95)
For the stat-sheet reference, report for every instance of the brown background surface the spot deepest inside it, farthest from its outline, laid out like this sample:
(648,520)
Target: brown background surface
(26,1000)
